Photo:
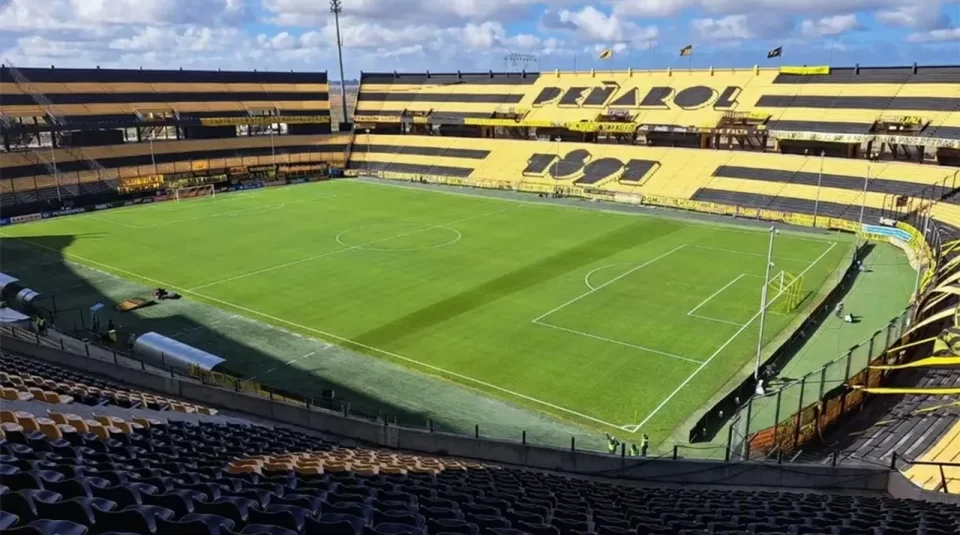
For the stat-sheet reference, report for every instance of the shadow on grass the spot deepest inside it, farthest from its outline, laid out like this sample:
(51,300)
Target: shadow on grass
(41,264)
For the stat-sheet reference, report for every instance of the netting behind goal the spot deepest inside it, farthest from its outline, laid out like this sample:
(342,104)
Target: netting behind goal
(784,292)
(190,192)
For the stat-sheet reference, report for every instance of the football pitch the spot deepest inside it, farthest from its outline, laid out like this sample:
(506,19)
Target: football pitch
(620,322)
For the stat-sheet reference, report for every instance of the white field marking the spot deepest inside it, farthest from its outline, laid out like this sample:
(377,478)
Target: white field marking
(714,294)
(208,216)
(775,257)
(608,283)
(310,354)
(718,320)
(618,342)
(325,334)
(727,226)
(722,347)
(338,251)
(586,278)
(387,249)
(111,222)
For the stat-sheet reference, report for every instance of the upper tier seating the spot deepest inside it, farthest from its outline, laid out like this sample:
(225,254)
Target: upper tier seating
(161,476)
(845,102)
(107,94)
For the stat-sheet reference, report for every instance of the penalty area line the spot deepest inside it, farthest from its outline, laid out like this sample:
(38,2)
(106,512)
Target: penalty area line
(325,334)
(718,351)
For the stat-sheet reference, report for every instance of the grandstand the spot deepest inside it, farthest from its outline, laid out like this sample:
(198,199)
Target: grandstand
(873,151)
(98,134)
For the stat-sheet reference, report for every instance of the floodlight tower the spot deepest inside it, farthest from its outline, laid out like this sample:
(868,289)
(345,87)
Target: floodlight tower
(336,7)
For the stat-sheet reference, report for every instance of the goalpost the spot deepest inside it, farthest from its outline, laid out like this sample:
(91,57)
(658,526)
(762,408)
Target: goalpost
(785,291)
(189,192)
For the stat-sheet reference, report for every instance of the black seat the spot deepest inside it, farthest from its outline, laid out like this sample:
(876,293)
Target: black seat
(447,525)
(124,496)
(338,524)
(58,527)
(8,520)
(24,503)
(284,519)
(78,510)
(397,529)
(179,502)
(485,522)
(391,517)
(253,529)
(130,520)
(538,529)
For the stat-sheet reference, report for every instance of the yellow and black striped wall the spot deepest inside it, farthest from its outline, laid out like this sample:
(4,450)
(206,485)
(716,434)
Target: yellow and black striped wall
(103,124)
(823,104)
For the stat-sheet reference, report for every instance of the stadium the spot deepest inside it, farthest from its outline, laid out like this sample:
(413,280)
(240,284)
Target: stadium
(614,302)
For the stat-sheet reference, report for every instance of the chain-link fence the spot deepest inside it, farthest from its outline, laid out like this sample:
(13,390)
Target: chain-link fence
(785,418)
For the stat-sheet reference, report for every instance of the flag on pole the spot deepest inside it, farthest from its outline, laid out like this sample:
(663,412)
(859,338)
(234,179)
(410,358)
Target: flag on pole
(775,53)
(606,54)
(686,51)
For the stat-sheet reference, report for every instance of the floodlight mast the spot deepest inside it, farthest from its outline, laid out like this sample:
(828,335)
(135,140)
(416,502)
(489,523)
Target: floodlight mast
(336,7)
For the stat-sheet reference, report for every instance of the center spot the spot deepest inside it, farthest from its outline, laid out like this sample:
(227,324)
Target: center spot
(398,237)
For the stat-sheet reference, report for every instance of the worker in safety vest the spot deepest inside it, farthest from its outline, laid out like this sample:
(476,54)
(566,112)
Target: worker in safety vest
(634,450)
(612,444)
(644,444)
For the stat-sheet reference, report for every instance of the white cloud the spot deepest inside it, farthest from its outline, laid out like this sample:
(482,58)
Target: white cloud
(191,38)
(919,15)
(439,34)
(828,26)
(592,25)
(729,28)
(943,35)
(651,8)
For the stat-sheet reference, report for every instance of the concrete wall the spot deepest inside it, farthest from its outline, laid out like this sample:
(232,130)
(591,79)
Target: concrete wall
(900,486)
(682,471)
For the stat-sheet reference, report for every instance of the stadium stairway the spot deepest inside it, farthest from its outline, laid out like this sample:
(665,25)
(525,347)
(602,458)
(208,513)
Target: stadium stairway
(150,472)
(906,426)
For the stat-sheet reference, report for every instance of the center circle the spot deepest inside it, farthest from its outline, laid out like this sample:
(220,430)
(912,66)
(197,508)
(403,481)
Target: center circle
(398,237)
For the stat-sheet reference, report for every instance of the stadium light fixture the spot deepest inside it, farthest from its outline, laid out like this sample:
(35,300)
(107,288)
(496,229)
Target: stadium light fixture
(336,7)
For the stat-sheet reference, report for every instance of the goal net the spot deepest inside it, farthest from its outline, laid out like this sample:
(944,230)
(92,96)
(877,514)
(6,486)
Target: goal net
(784,292)
(189,192)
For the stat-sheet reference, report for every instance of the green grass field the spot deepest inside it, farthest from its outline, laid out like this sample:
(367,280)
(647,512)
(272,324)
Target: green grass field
(614,321)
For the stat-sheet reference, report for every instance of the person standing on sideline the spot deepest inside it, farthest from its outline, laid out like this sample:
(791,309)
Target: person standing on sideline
(644,444)
(839,309)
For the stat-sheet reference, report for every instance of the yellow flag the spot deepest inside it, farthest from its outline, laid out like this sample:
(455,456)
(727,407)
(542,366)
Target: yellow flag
(606,54)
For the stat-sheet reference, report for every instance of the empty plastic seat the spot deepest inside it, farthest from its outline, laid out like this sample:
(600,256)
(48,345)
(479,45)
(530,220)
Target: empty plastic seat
(58,527)
(8,520)
(78,510)
(255,529)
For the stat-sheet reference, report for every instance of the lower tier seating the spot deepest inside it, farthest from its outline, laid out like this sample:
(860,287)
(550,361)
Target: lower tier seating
(169,477)
(25,379)
(771,180)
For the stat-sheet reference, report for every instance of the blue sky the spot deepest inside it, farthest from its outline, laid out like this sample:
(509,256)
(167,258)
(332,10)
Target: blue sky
(438,35)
